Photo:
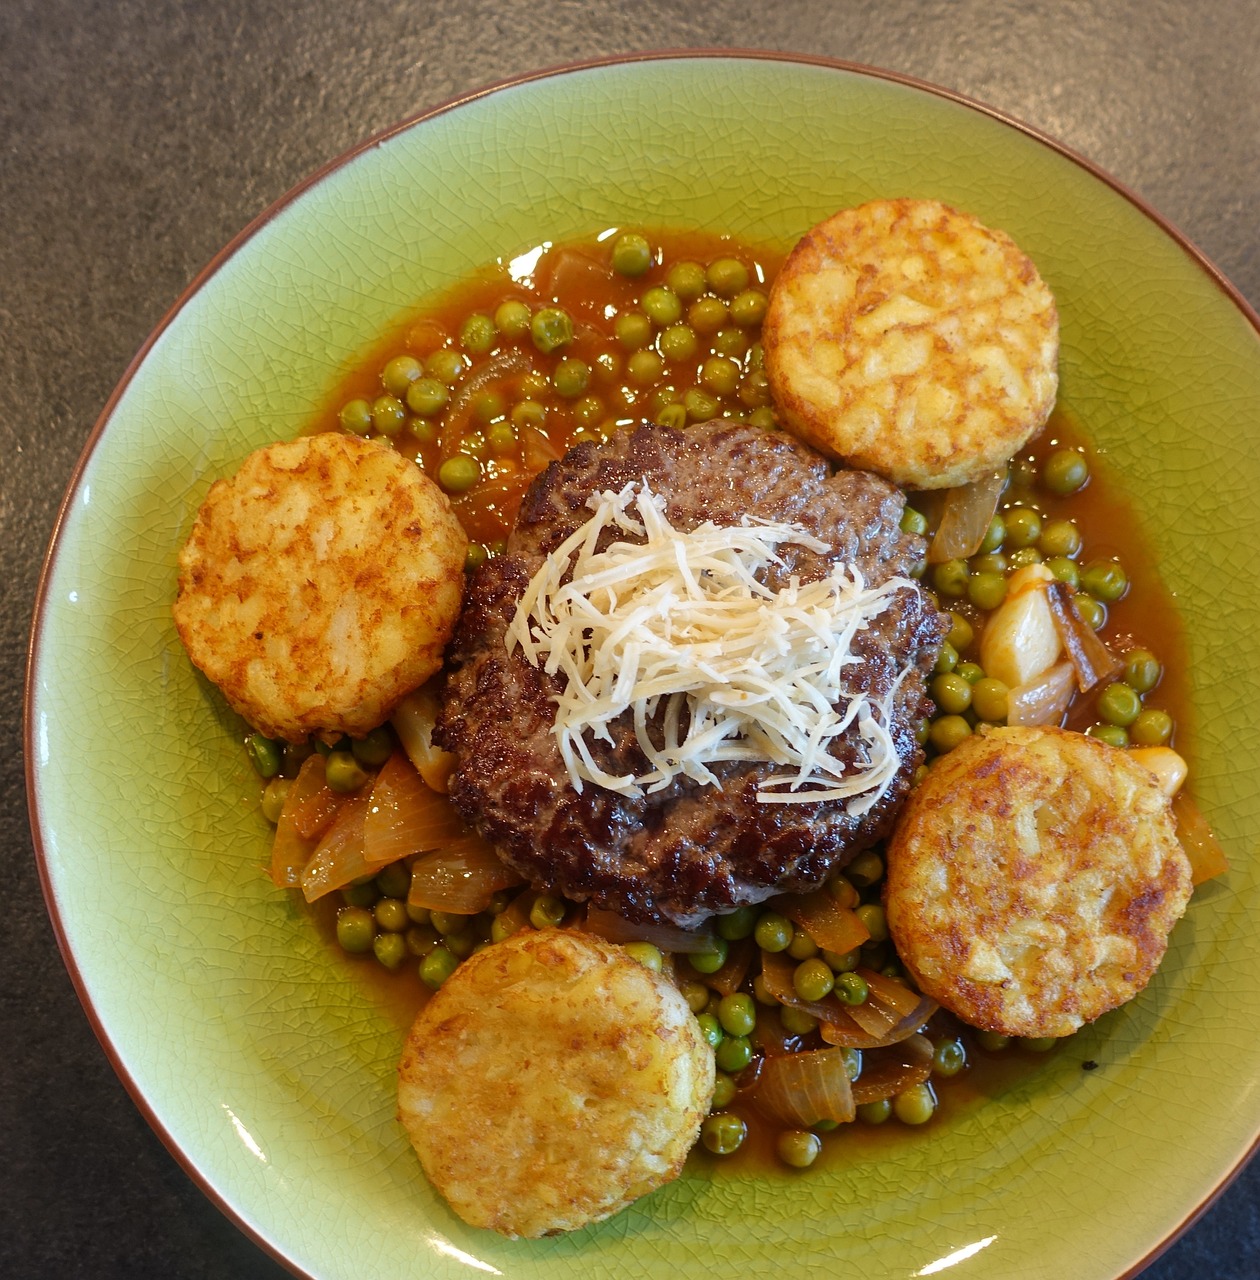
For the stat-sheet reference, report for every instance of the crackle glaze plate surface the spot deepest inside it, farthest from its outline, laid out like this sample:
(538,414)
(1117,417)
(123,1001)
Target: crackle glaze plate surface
(263,1061)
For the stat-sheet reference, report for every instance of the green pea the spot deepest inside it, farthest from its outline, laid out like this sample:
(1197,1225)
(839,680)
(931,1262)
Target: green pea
(475,557)
(678,343)
(1038,1044)
(915,1105)
(426,396)
(734,1054)
(551,328)
(971,672)
(851,988)
(477,334)
(986,590)
(645,953)
(994,536)
(1119,704)
(712,960)
(1022,473)
(588,411)
(355,929)
(852,1062)
(448,921)
(343,773)
(946,660)
(961,632)
(695,993)
(951,693)
(802,946)
(1060,538)
(1112,734)
(686,279)
(950,578)
(913,521)
(749,307)
(1065,570)
(388,415)
(374,748)
(723,1133)
(813,979)
(275,793)
(798,1147)
(761,993)
(992,1041)
(763,420)
(700,405)
(527,413)
(265,754)
(948,1058)
(737,924)
(363,894)
(773,932)
(720,375)
(948,732)
(511,318)
(632,330)
(990,700)
(607,365)
(871,915)
(843,962)
(710,1029)
(1151,728)
(501,438)
(796,1022)
(672,415)
(356,417)
(875,1112)
(992,562)
(707,315)
(503,926)
(446,365)
(459,473)
(1023,527)
(421,939)
(390,914)
(390,949)
(754,390)
(437,966)
(730,342)
(631,254)
(1024,556)
(723,1091)
(399,373)
(1065,471)
(394,881)
(571,377)
(843,890)
(547,912)
(662,306)
(1142,670)
(1093,612)
(1105,580)
(644,367)
(727,277)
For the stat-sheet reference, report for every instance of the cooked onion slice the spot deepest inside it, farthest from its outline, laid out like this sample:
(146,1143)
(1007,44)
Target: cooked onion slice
(291,849)
(800,1089)
(461,878)
(1092,661)
(891,1070)
(339,857)
(1043,700)
(730,977)
(667,937)
(414,719)
(405,816)
(832,927)
(891,1011)
(1207,858)
(965,518)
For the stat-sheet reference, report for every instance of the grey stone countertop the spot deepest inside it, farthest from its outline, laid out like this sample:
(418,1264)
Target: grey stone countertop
(138,136)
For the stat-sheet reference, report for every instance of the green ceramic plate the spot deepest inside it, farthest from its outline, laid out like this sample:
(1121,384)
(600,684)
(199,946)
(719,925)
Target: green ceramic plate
(252,1048)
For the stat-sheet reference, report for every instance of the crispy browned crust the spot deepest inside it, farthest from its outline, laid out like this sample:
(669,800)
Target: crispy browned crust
(1033,879)
(320,584)
(907,338)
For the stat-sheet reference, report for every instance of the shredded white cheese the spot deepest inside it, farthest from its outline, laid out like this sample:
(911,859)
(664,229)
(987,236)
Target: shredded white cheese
(678,624)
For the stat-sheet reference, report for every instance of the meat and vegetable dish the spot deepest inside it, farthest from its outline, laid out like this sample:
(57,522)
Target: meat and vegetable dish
(731,726)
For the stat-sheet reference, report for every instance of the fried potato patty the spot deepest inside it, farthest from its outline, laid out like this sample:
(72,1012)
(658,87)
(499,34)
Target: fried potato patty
(551,1081)
(1033,879)
(320,584)
(908,339)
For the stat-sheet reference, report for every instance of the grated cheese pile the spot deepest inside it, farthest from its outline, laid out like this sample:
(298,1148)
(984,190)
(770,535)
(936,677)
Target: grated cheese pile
(678,624)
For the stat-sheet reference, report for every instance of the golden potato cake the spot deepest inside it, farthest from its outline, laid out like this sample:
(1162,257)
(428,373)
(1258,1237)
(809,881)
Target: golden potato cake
(320,584)
(1033,879)
(551,1081)
(906,338)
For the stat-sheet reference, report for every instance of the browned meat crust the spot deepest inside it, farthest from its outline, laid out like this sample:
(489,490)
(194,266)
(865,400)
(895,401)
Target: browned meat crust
(688,851)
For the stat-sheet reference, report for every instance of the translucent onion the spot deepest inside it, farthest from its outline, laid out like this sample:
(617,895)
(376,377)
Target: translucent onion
(338,859)
(730,977)
(893,1069)
(1043,700)
(965,518)
(537,450)
(800,1089)
(316,807)
(405,816)
(506,365)
(666,937)
(832,927)
(461,878)
(414,720)
(1092,661)
(1207,858)
(291,850)
(891,1011)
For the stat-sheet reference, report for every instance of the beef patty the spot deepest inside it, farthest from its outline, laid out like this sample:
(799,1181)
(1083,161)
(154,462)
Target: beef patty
(691,850)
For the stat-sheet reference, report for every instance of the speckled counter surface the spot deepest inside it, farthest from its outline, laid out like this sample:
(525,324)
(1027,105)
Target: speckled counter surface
(137,138)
